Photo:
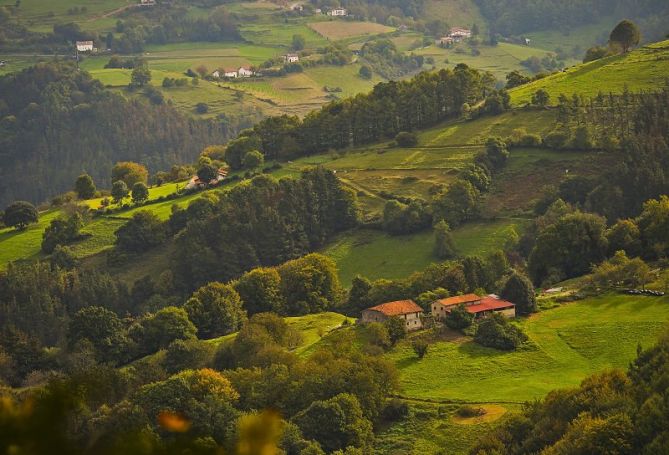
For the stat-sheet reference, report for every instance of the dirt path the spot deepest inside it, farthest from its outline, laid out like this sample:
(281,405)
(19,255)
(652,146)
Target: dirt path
(111,13)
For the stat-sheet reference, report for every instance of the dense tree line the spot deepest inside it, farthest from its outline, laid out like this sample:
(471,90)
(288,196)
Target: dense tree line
(610,412)
(382,55)
(260,223)
(389,109)
(634,129)
(514,17)
(56,121)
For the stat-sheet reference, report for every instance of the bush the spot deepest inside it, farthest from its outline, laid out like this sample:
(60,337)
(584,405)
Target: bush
(406,139)
(420,347)
(201,108)
(556,140)
(530,140)
(496,332)
(467,411)
(459,318)
(395,409)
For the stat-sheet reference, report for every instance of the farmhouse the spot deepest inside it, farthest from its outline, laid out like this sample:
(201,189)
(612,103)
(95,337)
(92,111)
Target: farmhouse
(216,74)
(406,310)
(85,46)
(195,181)
(230,72)
(147,2)
(458,33)
(480,307)
(245,71)
(444,41)
(338,12)
(291,58)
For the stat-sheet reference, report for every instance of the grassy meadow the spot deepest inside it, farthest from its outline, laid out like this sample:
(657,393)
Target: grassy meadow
(336,30)
(566,344)
(646,68)
(499,60)
(368,253)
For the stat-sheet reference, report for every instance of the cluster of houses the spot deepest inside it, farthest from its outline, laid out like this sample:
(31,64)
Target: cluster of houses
(455,35)
(242,71)
(195,182)
(412,314)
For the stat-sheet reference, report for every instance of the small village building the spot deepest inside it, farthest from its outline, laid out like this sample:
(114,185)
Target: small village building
(291,58)
(230,72)
(147,2)
(85,46)
(338,12)
(407,310)
(444,41)
(480,307)
(216,74)
(458,33)
(195,181)
(245,71)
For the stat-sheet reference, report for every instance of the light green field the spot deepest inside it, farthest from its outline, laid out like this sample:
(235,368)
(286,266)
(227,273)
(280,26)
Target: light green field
(41,15)
(643,69)
(375,254)
(435,429)
(581,37)
(335,30)
(279,34)
(456,13)
(567,343)
(17,245)
(312,327)
(499,60)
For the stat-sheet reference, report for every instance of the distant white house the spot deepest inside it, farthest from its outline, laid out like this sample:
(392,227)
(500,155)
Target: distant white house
(147,2)
(216,74)
(291,58)
(230,72)
(85,46)
(245,71)
(458,33)
(338,12)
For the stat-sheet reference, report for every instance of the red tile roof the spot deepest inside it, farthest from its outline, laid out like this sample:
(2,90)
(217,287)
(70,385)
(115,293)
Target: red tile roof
(397,308)
(490,304)
(458,299)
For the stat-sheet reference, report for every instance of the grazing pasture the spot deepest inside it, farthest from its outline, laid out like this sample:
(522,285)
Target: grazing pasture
(642,69)
(335,30)
(567,343)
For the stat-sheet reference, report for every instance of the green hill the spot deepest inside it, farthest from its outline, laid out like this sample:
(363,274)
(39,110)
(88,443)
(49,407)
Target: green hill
(643,69)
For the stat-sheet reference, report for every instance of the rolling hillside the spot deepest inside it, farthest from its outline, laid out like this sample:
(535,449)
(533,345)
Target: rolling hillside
(643,69)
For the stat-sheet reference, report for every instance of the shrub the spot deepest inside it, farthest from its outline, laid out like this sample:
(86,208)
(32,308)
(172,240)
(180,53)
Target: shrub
(467,411)
(496,332)
(556,139)
(406,139)
(395,409)
(530,140)
(420,347)
(459,318)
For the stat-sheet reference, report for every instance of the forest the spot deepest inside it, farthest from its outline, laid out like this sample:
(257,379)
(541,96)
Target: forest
(515,17)
(57,121)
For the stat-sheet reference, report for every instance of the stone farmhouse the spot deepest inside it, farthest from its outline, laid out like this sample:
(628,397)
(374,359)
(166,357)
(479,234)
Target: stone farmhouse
(480,307)
(406,310)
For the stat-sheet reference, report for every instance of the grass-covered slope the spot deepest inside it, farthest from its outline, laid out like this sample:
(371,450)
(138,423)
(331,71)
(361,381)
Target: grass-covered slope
(646,68)
(567,343)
